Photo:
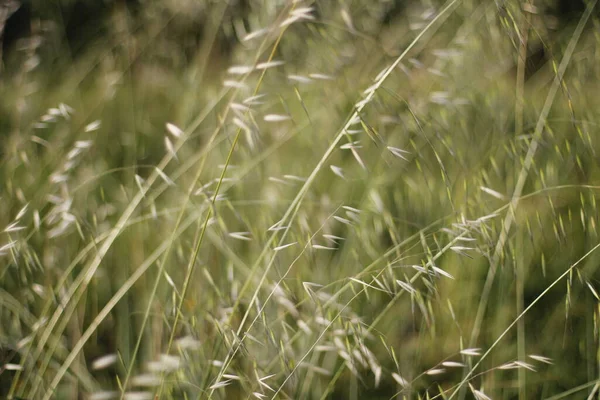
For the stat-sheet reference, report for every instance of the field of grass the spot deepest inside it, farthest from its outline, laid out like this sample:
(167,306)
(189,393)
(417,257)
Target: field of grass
(306,201)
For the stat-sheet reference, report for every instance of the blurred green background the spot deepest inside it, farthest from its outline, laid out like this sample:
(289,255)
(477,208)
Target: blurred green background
(148,156)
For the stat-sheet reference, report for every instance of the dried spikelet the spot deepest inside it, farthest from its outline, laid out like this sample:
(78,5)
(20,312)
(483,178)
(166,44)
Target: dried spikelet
(11,367)
(240,235)
(277,227)
(428,14)
(138,396)
(139,181)
(23,342)
(276,117)
(284,246)
(366,285)
(146,380)
(170,148)
(36,287)
(464,239)
(220,384)
(269,64)
(255,34)
(525,365)
(104,361)
(323,77)
(377,201)
(342,220)
(254,100)
(308,287)
(453,364)
(493,193)
(4,249)
(83,144)
(234,84)
(406,286)
(92,126)
(353,216)
(509,365)
(358,159)
(398,152)
(39,323)
(303,326)
(389,120)
(320,247)
(288,305)
(400,380)
(589,285)
(59,178)
(353,121)
(382,284)
(351,367)
(471,352)
(174,130)
(239,107)
(66,110)
(39,140)
(333,238)
(436,72)
(416,63)
(435,371)
(316,369)
(240,69)
(461,250)
(262,380)
(338,171)
(290,20)
(446,53)
(187,343)
(170,280)
(295,178)
(14,227)
(442,272)
(351,145)
(104,395)
(164,177)
(347,20)
(479,395)
(543,359)
(359,357)
(303,12)
(278,180)
(442,98)
(166,363)
(377,372)
(299,79)
(325,348)
(373,87)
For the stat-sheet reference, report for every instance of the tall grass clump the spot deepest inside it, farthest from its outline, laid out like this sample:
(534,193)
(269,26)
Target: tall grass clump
(302,200)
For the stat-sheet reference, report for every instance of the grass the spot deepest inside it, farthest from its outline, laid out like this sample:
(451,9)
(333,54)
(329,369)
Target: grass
(312,204)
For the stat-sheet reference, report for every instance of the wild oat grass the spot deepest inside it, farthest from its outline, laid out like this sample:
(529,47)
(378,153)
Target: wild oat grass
(321,200)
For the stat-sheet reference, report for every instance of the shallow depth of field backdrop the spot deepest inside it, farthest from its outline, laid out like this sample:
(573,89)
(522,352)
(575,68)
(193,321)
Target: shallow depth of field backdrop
(299,199)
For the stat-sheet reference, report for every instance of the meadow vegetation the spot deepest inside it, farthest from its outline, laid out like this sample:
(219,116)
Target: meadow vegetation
(305,200)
